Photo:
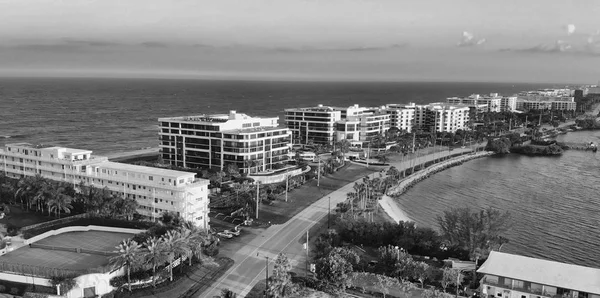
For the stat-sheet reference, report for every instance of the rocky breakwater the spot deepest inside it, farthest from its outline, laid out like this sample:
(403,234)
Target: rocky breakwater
(413,179)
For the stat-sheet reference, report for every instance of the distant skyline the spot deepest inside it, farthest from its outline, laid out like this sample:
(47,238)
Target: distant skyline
(541,41)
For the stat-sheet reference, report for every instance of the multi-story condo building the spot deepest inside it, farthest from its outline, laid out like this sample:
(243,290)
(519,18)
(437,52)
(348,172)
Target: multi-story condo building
(213,141)
(535,102)
(443,117)
(493,101)
(364,126)
(317,124)
(513,276)
(508,103)
(401,116)
(156,190)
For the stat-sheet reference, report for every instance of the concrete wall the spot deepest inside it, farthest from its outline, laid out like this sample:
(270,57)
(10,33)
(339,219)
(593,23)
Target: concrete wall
(81,229)
(276,178)
(99,281)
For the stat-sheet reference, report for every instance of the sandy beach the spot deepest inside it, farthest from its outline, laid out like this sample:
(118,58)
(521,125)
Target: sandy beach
(392,209)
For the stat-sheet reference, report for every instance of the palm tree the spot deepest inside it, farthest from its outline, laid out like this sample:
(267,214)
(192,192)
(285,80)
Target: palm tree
(196,241)
(58,201)
(154,254)
(173,248)
(227,293)
(128,255)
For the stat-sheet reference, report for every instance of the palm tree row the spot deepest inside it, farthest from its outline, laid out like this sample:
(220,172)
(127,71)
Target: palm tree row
(185,242)
(39,194)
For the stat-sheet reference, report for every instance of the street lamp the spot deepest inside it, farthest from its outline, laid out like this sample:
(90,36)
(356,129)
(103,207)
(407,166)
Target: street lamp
(267,273)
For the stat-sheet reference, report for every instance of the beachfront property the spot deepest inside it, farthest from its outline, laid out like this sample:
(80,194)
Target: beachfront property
(318,124)
(514,276)
(363,126)
(493,101)
(401,116)
(156,190)
(441,117)
(253,144)
(537,102)
(508,104)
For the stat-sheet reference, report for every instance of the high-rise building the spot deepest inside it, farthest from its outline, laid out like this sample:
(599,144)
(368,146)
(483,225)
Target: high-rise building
(442,117)
(508,104)
(155,190)
(213,141)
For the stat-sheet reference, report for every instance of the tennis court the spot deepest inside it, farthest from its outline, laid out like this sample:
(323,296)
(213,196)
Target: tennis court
(94,240)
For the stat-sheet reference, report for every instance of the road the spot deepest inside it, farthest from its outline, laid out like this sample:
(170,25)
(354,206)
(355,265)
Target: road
(250,259)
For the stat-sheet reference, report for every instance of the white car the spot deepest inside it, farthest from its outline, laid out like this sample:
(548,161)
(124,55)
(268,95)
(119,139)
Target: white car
(234,233)
(225,235)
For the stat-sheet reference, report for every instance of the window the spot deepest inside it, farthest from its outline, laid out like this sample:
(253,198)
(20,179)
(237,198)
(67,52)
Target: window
(150,178)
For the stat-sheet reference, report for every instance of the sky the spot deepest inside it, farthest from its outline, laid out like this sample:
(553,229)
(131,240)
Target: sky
(549,41)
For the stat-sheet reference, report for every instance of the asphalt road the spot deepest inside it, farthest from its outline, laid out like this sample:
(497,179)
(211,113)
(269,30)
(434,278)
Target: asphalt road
(250,259)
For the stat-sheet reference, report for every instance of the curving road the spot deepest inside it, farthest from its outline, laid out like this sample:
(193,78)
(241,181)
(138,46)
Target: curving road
(250,259)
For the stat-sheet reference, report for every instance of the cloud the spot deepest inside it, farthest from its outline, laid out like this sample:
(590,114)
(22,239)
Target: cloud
(592,37)
(469,40)
(561,47)
(570,29)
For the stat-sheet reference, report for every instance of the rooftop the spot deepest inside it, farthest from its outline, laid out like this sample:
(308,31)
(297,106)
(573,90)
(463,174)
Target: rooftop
(568,276)
(29,145)
(142,169)
(254,129)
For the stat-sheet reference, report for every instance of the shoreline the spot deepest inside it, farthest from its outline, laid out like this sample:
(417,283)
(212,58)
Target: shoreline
(393,209)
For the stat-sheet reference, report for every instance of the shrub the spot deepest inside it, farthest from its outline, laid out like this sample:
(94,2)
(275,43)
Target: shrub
(11,229)
(2,288)
(14,291)
(211,250)
(108,295)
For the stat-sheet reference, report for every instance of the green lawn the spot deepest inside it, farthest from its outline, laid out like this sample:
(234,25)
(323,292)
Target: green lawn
(21,218)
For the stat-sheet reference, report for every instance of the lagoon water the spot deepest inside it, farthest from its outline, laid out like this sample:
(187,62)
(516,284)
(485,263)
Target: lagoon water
(554,201)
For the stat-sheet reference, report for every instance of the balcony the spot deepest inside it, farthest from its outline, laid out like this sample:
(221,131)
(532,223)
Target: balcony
(525,289)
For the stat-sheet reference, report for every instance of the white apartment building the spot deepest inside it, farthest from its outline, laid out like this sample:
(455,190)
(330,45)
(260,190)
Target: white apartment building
(493,101)
(443,117)
(401,116)
(317,124)
(535,102)
(508,103)
(513,276)
(213,141)
(363,127)
(156,190)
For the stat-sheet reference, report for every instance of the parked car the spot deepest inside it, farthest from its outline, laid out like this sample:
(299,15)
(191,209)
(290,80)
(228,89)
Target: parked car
(234,233)
(225,235)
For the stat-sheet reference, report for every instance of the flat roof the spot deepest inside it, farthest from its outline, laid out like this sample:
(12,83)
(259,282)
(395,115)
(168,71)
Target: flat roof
(67,260)
(29,145)
(556,274)
(253,129)
(141,169)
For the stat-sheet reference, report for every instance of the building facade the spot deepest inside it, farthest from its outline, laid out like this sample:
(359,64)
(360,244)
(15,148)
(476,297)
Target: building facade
(508,103)
(493,101)
(313,124)
(513,276)
(443,117)
(155,190)
(214,141)
(363,127)
(401,116)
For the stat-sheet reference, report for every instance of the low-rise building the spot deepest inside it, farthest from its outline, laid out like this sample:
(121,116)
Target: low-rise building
(213,141)
(493,101)
(514,276)
(155,190)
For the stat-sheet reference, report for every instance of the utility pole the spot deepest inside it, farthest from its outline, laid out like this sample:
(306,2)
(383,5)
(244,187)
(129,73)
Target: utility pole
(287,179)
(257,197)
(319,172)
(267,280)
(306,254)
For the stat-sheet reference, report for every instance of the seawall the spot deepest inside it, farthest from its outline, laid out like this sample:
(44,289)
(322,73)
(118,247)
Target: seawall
(411,180)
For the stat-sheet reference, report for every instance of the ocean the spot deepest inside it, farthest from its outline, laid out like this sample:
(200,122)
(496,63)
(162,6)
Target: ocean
(553,201)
